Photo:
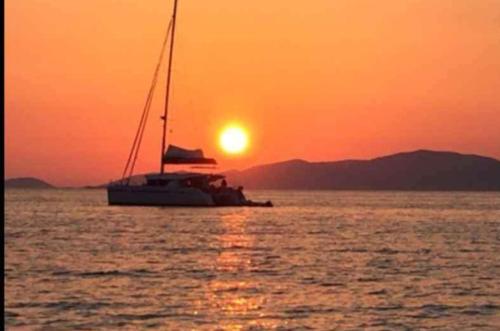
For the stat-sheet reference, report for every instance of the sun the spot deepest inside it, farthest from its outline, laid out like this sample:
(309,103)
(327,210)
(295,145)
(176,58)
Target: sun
(233,139)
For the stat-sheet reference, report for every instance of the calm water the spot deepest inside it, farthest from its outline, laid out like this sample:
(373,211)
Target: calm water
(317,261)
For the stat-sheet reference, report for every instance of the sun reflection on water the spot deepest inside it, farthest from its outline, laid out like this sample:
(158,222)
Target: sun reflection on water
(234,295)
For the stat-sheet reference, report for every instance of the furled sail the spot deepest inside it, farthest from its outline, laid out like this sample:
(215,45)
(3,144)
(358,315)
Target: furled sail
(179,155)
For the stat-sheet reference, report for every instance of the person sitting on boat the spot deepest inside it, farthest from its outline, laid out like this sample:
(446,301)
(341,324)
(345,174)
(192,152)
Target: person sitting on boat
(204,186)
(241,196)
(212,188)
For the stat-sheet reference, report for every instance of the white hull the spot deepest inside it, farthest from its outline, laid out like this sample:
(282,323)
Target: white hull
(145,195)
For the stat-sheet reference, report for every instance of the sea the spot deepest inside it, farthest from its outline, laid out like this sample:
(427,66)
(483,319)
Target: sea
(318,260)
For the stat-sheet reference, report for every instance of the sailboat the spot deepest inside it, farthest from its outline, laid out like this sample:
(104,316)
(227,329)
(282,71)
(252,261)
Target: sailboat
(173,188)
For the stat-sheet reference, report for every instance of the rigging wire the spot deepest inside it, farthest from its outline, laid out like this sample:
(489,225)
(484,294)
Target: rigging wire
(134,152)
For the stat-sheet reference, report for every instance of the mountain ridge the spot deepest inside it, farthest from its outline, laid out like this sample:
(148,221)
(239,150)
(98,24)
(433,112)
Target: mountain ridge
(414,170)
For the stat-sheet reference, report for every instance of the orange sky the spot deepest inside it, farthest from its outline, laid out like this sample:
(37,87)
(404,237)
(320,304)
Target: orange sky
(318,80)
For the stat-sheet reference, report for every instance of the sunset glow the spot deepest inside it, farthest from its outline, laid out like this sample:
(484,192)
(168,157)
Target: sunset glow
(321,81)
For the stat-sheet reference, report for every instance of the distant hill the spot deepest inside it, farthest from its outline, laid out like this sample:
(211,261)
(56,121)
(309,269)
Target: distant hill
(26,182)
(94,187)
(418,170)
(134,180)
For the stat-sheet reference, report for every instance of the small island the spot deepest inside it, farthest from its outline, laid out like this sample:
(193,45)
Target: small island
(27,183)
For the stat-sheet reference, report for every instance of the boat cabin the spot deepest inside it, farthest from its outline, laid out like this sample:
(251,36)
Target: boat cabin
(183,179)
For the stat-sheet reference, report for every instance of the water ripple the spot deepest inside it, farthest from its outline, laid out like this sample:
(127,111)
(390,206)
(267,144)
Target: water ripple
(317,261)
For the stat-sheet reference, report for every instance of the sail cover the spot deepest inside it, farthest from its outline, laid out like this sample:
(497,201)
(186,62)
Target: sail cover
(179,155)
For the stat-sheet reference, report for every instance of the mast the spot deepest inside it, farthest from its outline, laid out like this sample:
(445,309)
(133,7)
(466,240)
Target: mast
(167,95)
